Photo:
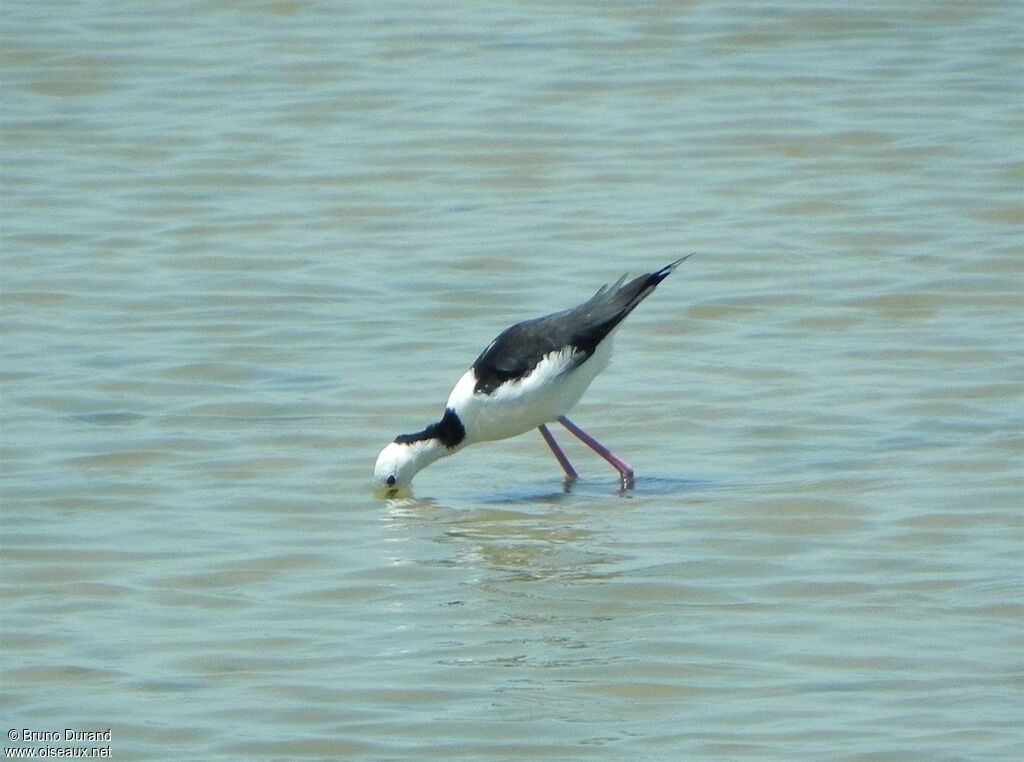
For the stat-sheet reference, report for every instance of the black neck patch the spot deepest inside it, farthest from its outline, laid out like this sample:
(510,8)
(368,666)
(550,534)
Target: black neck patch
(449,431)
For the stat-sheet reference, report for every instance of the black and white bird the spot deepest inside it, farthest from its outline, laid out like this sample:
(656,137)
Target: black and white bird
(532,374)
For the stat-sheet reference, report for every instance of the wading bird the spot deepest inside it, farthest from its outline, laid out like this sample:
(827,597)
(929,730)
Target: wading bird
(532,374)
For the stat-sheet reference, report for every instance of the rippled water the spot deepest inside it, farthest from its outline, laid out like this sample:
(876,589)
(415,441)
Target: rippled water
(245,244)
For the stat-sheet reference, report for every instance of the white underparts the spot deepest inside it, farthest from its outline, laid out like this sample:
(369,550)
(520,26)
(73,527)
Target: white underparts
(551,389)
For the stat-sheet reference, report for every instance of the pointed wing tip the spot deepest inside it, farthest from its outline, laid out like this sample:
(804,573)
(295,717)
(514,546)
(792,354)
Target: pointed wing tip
(679,261)
(667,269)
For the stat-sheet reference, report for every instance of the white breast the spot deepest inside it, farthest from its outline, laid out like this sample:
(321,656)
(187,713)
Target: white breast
(518,406)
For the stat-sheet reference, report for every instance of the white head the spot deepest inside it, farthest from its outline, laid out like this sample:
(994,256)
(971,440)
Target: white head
(401,460)
(396,465)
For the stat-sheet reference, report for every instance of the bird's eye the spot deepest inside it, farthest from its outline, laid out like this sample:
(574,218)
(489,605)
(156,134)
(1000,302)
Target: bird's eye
(391,480)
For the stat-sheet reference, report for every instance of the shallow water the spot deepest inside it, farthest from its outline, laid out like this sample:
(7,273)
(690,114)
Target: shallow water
(245,244)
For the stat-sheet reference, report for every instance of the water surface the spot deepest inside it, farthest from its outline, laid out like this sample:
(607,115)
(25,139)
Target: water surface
(246,244)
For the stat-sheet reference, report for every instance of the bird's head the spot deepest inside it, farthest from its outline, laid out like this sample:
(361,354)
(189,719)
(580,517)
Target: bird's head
(401,460)
(396,465)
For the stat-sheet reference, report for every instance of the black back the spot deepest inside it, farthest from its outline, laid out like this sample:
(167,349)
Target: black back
(517,350)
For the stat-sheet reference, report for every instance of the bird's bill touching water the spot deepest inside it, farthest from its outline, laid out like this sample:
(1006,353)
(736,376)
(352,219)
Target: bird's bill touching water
(399,462)
(394,470)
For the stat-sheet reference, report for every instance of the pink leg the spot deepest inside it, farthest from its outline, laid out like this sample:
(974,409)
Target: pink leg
(625,470)
(563,461)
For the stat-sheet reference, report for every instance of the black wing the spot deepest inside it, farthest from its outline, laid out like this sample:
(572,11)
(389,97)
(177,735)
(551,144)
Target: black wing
(517,350)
